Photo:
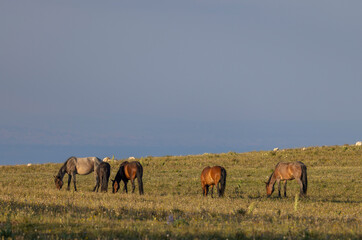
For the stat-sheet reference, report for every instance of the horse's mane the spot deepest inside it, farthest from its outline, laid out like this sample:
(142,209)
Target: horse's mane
(120,173)
(63,169)
(271,175)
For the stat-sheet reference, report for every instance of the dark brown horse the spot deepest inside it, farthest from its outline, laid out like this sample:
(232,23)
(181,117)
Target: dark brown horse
(288,171)
(103,172)
(212,176)
(129,171)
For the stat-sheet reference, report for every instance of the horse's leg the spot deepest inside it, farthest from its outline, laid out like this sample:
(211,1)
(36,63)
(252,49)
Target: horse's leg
(212,191)
(75,182)
(97,184)
(125,186)
(279,186)
(301,186)
(97,181)
(285,188)
(69,179)
(218,189)
(133,185)
(206,190)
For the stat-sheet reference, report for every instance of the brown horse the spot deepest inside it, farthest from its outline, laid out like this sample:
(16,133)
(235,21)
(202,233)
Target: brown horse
(128,171)
(288,171)
(212,176)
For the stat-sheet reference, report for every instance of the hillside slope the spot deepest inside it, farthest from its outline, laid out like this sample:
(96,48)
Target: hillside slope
(173,206)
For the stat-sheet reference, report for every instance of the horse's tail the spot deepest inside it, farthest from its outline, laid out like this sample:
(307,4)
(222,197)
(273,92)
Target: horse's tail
(222,182)
(139,175)
(304,179)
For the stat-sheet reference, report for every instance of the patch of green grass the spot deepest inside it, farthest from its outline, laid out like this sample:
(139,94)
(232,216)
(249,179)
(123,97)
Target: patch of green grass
(31,207)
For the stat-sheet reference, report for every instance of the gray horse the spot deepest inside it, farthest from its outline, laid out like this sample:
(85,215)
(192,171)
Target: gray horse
(73,166)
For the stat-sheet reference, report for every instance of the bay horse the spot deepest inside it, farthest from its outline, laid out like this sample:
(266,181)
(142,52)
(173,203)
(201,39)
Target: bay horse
(103,172)
(73,166)
(212,176)
(128,171)
(288,171)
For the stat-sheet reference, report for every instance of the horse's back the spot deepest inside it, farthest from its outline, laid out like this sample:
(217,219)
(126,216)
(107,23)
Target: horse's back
(104,166)
(130,169)
(211,175)
(87,165)
(289,170)
(129,172)
(216,173)
(95,160)
(299,167)
(296,165)
(300,163)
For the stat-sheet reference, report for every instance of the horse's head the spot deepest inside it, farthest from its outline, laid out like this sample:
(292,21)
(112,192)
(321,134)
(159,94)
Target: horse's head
(58,182)
(269,189)
(115,186)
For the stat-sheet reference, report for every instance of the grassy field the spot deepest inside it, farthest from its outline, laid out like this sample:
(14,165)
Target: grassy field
(31,207)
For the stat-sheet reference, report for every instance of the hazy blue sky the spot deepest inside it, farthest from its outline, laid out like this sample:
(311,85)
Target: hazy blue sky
(177,77)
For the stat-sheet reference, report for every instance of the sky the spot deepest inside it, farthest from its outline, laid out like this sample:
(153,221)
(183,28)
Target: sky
(156,78)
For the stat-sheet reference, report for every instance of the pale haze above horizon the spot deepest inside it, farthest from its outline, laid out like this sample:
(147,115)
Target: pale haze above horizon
(140,78)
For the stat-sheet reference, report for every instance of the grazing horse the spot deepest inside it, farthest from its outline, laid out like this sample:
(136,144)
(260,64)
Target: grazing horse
(128,171)
(73,166)
(211,176)
(103,171)
(288,171)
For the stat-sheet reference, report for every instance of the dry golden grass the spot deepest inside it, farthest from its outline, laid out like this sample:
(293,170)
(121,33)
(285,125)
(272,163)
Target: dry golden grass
(173,206)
